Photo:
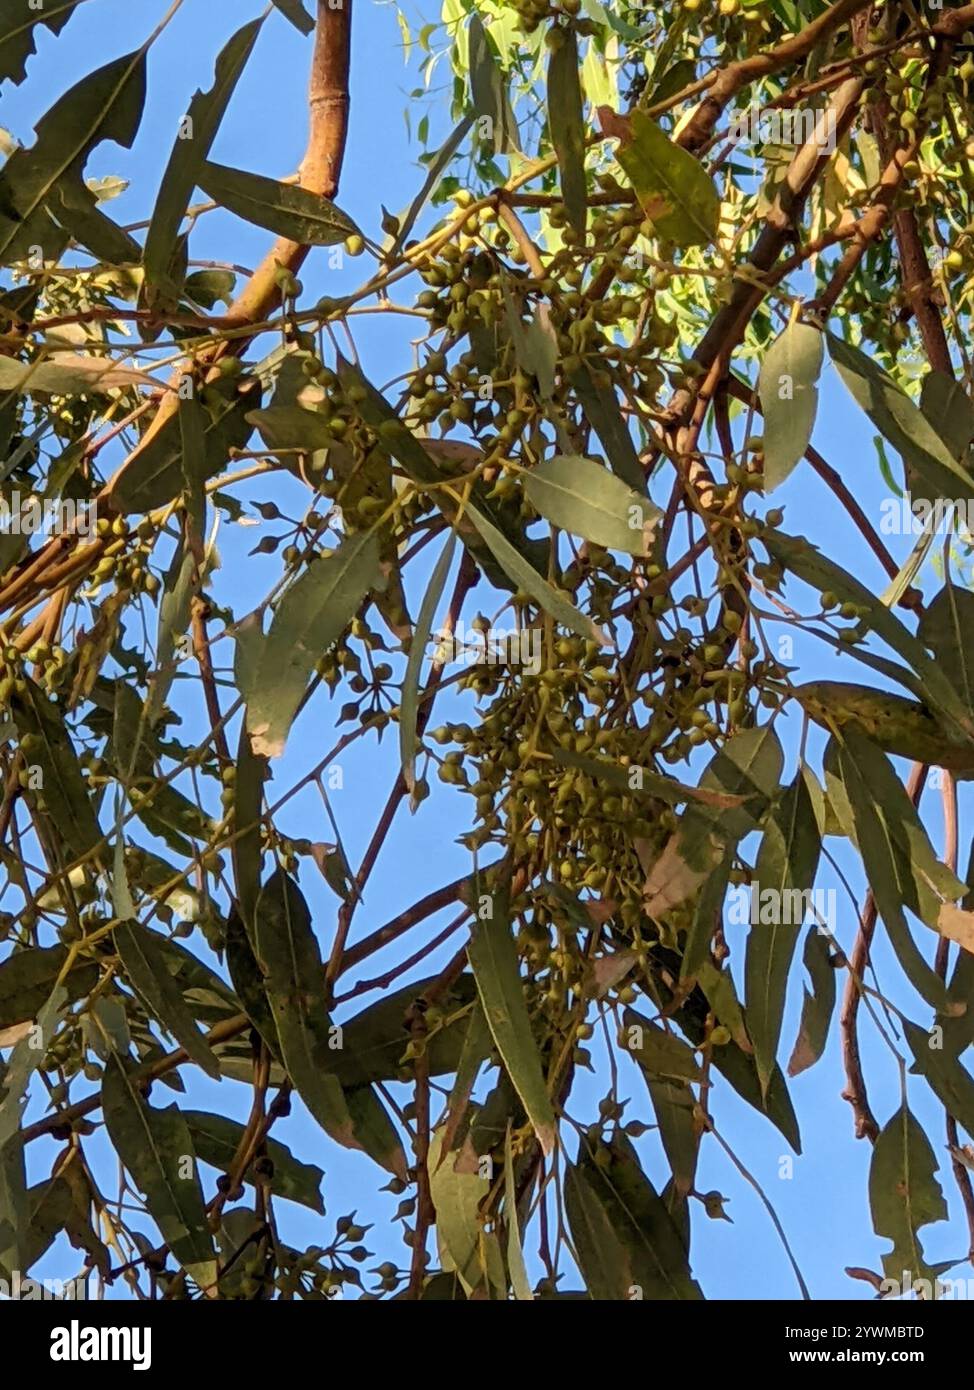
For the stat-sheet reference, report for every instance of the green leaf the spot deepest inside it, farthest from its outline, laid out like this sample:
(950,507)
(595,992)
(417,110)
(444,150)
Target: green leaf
(65,374)
(292,427)
(46,744)
(566,123)
(947,627)
(653,784)
(526,577)
(600,409)
(409,705)
(900,864)
(464,1245)
(515,1254)
(145,965)
(810,565)
(904,1195)
(198,130)
(18,21)
(817,1006)
(673,1105)
(488,91)
(216,1140)
(26,1057)
(374,1041)
(375,1132)
(950,412)
(476,1048)
(283,208)
(625,1240)
(905,728)
(154,473)
(658,1052)
(745,773)
(27,978)
(789,398)
(246,850)
(929,462)
(182,579)
(674,189)
(288,954)
(786,864)
(950,1082)
(75,208)
(105,105)
(578,495)
(297,14)
(494,961)
(310,617)
(157,1149)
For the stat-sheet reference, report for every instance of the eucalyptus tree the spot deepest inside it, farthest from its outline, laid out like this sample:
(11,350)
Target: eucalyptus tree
(542,577)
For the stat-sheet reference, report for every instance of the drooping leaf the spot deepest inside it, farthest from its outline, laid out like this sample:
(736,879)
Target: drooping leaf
(673,1104)
(145,965)
(552,600)
(578,495)
(288,954)
(601,410)
(949,1080)
(197,132)
(297,14)
(409,705)
(949,410)
(27,1056)
(374,1131)
(105,105)
(488,90)
(46,743)
(248,800)
(932,470)
(674,190)
(464,1244)
(658,1052)
(216,1140)
(817,1006)
(156,1147)
(904,1195)
(900,864)
(493,958)
(309,618)
(515,1254)
(789,398)
(566,123)
(285,209)
(27,978)
(18,21)
(947,627)
(785,867)
(625,1240)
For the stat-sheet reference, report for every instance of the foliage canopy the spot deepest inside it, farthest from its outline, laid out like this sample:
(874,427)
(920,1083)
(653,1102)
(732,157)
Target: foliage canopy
(644,234)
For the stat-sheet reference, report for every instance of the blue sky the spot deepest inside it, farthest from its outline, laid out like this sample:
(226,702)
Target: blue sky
(823,1206)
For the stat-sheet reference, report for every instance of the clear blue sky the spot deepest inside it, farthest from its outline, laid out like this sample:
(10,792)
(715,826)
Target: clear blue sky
(824,1205)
